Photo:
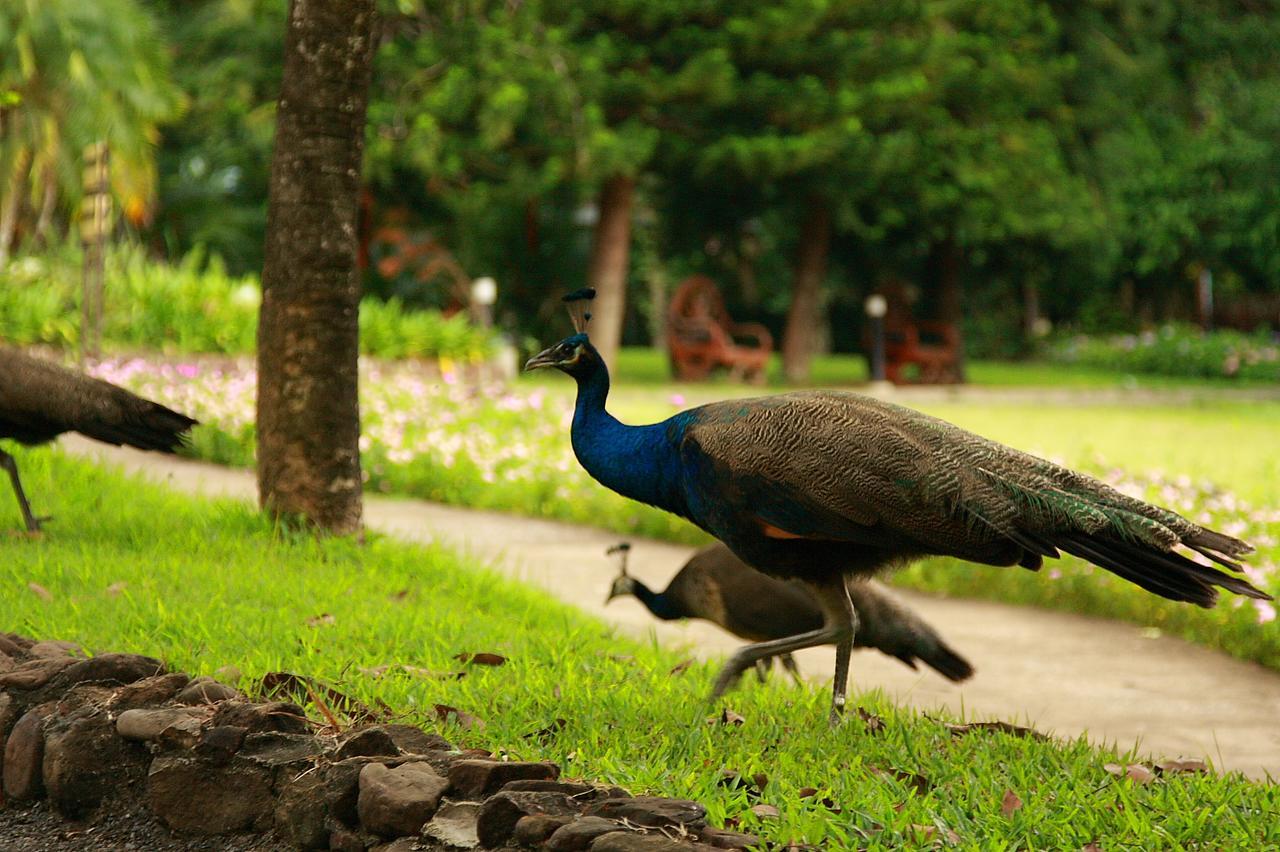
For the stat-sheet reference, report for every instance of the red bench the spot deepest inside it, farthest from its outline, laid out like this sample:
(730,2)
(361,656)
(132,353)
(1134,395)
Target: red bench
(701,336)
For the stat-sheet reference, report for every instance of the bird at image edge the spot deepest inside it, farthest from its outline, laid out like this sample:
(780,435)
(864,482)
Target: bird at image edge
(39,400)
(823,486)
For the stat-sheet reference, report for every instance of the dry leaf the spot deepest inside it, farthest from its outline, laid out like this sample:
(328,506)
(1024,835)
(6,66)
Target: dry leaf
(1091,846)
(761,780)
(418,671)
(324,619)
(727,717)
(374,671)
(549,732)
(916,781)
(1000,727)
(806,792)
(929,832)
(481,659)
(873,722)
(1010,803)
(766,811)
(1134,771)
(400,595)
(681,667)
(462,718)
(301,688)
(1180,765)
(115,589)
(40,591)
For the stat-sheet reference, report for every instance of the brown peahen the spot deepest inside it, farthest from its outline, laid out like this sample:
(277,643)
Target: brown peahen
(717,586)
(823,486)
(39,400)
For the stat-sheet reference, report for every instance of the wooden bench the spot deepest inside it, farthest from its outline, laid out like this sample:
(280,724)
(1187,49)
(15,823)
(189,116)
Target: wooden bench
(702,337)
(932,347)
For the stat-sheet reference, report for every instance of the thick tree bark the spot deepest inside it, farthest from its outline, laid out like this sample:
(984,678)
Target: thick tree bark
(607,272)
(11,203)
(944,263)
(804,317)
(308,333)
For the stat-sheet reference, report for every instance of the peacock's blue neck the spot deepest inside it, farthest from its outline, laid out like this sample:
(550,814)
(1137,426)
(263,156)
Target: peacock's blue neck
(640,462)
(657,602)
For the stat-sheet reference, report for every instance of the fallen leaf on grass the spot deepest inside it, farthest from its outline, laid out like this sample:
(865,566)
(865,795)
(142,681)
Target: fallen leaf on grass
(548,733)
(1136,772)
(873,722)
(731,779)
(998,727)
(418,671)
(324,619)
(727,717)
(766,811)
(462,718)
(929,832)
(481,659)
(681,667)
(375,671)
(115,590)
(806,792)
(1182,765)
(40,591)
(1091,846)
(915,780)
(1010,803)
(300,688)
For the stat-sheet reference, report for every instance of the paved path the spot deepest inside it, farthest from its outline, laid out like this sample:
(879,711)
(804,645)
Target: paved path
(1063,674)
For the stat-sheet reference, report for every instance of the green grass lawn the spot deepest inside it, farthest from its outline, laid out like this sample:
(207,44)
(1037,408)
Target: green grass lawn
(130,567)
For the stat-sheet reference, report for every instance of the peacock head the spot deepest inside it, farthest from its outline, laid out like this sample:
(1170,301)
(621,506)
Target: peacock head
(574,355)
(623,584)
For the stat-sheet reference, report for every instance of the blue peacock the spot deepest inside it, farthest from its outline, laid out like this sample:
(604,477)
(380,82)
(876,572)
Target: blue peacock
(826,486)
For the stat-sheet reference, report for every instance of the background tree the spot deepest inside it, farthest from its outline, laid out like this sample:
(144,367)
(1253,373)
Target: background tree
(308,331)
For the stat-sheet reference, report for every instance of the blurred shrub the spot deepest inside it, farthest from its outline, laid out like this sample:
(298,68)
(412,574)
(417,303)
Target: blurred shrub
(195,306)
(1176,350)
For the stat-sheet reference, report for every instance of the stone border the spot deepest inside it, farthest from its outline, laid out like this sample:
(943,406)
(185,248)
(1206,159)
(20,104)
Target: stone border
(91,733)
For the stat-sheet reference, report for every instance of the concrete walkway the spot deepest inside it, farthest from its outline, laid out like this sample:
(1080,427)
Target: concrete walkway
(1062,674)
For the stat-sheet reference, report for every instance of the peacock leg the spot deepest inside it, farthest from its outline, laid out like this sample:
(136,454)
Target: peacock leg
(839,608)
(10,464)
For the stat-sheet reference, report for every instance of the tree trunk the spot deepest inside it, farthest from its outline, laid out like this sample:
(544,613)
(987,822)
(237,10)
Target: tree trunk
(11,203)
(1030,310)
(607,273)
(944,263)
(308,332)
(804,317)
(49,197)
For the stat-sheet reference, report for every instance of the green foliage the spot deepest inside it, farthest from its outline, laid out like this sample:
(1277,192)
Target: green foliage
(196,306)
(1177,350)
(169,573)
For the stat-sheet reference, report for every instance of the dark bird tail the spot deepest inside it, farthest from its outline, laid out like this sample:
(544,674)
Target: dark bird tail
(888,626)
(138,423)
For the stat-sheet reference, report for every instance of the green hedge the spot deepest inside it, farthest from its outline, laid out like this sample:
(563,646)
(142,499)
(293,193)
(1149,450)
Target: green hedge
(1177,350)
(195,306)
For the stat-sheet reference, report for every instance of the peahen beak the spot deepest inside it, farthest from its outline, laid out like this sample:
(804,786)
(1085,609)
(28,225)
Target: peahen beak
(545,358)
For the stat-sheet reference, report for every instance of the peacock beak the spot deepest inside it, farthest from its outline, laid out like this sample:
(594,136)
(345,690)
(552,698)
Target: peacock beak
(545,358)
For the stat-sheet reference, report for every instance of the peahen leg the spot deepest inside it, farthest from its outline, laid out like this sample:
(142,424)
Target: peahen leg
(841,625)
(762,669)
(10,464)
(789,663)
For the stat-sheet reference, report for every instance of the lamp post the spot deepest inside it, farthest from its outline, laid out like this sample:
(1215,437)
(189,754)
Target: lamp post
(484,292)
(876,307)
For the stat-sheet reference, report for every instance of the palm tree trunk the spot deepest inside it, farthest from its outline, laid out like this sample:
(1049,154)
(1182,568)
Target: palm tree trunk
(12,202)
(308,332)
(804,317)
(607,272)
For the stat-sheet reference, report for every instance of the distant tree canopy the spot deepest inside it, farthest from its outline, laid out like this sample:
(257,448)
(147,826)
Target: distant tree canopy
(1002,159)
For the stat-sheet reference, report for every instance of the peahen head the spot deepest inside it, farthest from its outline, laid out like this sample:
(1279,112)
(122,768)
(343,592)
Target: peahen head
(624,583)
(574,355)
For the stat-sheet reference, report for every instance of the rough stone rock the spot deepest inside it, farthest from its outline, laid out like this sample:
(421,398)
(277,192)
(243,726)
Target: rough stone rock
(184,734)
(205,690)
(85,762)
(475,779)
(652,811)
(579,834)
(143,725)
(455,825)
(24,755)
(345,840)
(148,692)
(342,788)
(35,673)
(400,844)
(630,841)
(300,812)
(13,645)
(52,648)
(111,668)
(545,785)
(535,829)
(276,716)
(7,663)
(8,715)
(275,749)
(391,741)
(500,813)
(397,802)
(220,743)
(190,795)
(723,838)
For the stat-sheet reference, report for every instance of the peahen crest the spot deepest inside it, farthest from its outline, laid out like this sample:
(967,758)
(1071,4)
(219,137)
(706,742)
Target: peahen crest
(579,304)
